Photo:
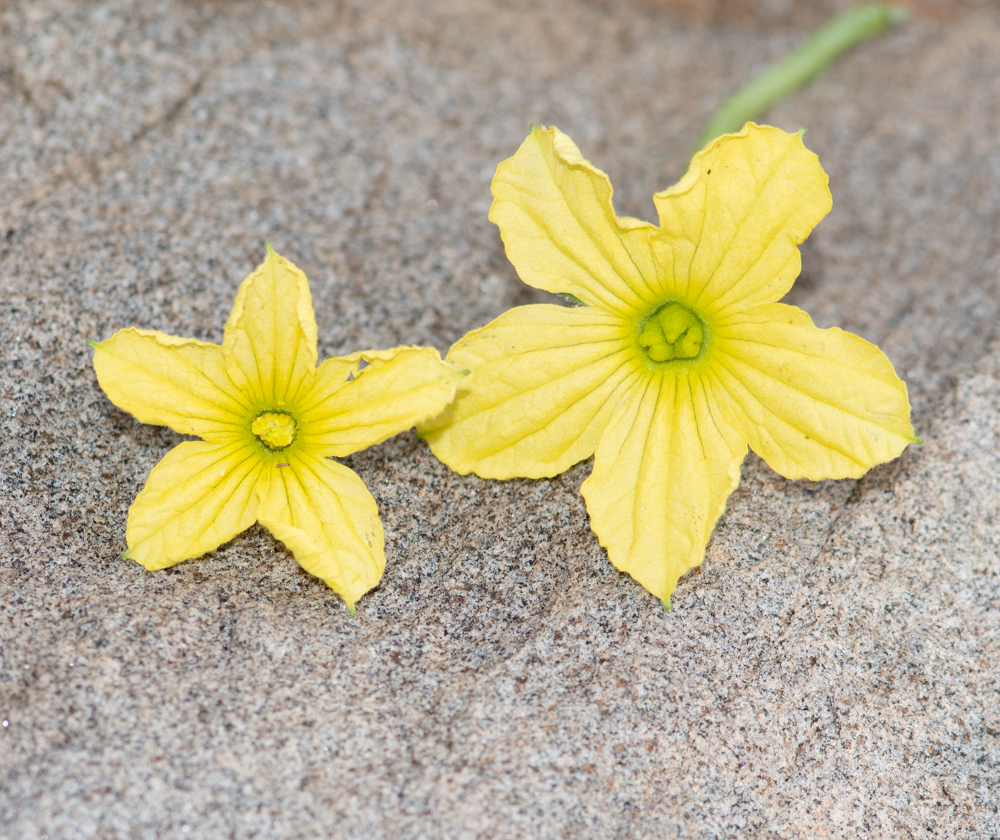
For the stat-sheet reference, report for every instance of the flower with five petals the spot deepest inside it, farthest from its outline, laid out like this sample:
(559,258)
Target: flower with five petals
(678,358)
(269,419)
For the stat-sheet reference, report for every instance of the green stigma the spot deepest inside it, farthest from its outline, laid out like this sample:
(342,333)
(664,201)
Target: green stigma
(274,430)
(672,332)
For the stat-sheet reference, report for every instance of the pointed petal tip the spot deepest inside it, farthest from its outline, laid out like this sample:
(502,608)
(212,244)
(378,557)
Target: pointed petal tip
(272,257)
(666,604)
(350,607)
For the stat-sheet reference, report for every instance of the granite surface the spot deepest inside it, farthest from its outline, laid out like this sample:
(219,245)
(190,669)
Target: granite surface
(829,672)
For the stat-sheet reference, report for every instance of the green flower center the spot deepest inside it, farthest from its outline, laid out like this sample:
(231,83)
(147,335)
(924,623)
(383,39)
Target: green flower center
(672,332)
(274,430)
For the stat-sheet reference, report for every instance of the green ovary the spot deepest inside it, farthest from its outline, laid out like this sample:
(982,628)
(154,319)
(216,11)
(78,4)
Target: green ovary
(672,332)
(274,430)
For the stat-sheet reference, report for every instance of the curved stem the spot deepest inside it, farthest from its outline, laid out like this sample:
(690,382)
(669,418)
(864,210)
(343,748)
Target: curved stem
(839,35)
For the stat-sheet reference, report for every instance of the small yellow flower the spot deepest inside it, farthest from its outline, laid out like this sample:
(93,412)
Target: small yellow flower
(269,419)
(679,356)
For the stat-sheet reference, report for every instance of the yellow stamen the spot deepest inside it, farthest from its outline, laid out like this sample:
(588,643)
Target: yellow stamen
(274,430)
(673,332)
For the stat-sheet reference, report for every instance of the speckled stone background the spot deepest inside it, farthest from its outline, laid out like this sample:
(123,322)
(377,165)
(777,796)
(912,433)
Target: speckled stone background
(832,669)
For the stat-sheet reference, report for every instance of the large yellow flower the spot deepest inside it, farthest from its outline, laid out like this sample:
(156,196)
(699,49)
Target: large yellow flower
(679,356)
(269,419)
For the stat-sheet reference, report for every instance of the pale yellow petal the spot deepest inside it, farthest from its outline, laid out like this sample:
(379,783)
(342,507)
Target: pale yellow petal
(813,403)
(729,229)
(198,497)
(325,515)
(368,397)
(270,337)
(560,230)
(177,382)
(662,474)
(543,383)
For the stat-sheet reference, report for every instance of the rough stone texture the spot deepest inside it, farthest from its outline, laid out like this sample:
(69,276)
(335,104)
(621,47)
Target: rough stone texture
(831,670)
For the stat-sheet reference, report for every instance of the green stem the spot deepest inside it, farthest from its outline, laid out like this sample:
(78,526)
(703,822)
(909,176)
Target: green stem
(840,34)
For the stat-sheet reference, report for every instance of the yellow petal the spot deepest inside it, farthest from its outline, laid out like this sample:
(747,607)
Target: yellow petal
(270,337)
(198,497)
(813,403)
(729,229)
(351,407)
(544,380)
(661,477)
(325,515)
(177,382)
(555,215)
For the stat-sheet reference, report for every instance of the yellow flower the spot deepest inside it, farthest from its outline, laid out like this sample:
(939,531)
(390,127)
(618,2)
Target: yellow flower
(679,356)
(269,419)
